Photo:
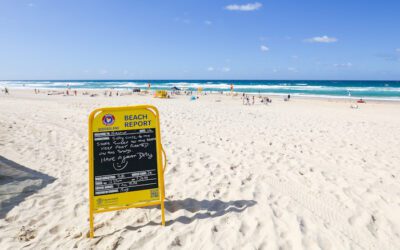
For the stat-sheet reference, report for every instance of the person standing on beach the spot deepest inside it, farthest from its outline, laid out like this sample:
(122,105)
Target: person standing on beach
(253,100)
(244,98)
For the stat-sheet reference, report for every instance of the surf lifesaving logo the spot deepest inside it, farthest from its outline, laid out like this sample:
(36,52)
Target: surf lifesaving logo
(108,119)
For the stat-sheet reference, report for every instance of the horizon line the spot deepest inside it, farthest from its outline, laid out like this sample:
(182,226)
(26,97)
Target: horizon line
(182,79)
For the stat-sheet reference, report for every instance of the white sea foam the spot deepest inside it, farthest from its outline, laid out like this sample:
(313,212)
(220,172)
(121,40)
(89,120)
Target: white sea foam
(65,84)
(133,85)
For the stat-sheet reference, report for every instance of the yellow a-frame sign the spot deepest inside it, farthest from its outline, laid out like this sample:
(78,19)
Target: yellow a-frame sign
(125,160)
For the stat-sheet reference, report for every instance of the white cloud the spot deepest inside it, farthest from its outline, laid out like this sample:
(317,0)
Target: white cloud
(398,50)
(343,65)
(244,7)
(291,69)
(274,70)
(322,39)
(226,69)
(207,22)
(264,48)
(31,4)
(210,68)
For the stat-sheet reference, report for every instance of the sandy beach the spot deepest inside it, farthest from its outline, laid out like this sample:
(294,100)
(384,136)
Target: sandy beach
(302,174)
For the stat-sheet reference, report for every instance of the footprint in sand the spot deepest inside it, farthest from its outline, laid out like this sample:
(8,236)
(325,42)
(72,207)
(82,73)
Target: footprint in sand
(26,234)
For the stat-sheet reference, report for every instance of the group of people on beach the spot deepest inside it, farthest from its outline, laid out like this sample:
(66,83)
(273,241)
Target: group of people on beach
(250,100)
(110,93)
(246,99)
(265,100)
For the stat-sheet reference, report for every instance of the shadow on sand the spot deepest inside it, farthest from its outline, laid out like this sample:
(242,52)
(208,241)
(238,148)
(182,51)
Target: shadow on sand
(203,209)
(18,182)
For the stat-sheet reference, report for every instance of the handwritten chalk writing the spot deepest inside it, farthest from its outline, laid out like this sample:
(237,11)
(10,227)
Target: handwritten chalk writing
(121,142)
(124,151)
(145,155)
(120,166)
(107,159)
(141,145)
(125,160)
(106,143)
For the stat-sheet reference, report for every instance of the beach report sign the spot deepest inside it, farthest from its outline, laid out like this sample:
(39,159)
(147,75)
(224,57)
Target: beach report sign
(125,160)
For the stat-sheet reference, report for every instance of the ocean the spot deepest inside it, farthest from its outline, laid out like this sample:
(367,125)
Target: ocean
(387,90)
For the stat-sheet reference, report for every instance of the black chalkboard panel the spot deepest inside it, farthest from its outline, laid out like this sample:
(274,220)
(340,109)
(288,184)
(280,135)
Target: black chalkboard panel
(124,161)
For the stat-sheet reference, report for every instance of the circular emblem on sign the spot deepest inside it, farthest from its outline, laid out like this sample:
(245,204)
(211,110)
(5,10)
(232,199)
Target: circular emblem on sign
(108,120)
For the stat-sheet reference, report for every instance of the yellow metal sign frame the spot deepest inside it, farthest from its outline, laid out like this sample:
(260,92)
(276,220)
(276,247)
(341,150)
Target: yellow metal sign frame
(161,158)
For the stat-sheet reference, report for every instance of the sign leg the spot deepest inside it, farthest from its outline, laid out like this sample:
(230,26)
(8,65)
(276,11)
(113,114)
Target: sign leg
(162,213)
(91,233)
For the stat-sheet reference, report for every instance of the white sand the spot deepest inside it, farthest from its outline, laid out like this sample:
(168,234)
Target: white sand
(304,174)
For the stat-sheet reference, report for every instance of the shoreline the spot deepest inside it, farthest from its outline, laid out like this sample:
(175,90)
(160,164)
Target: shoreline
(379,90)
(327,98)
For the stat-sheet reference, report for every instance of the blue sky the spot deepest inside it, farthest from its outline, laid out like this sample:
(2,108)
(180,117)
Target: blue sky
(187,39)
